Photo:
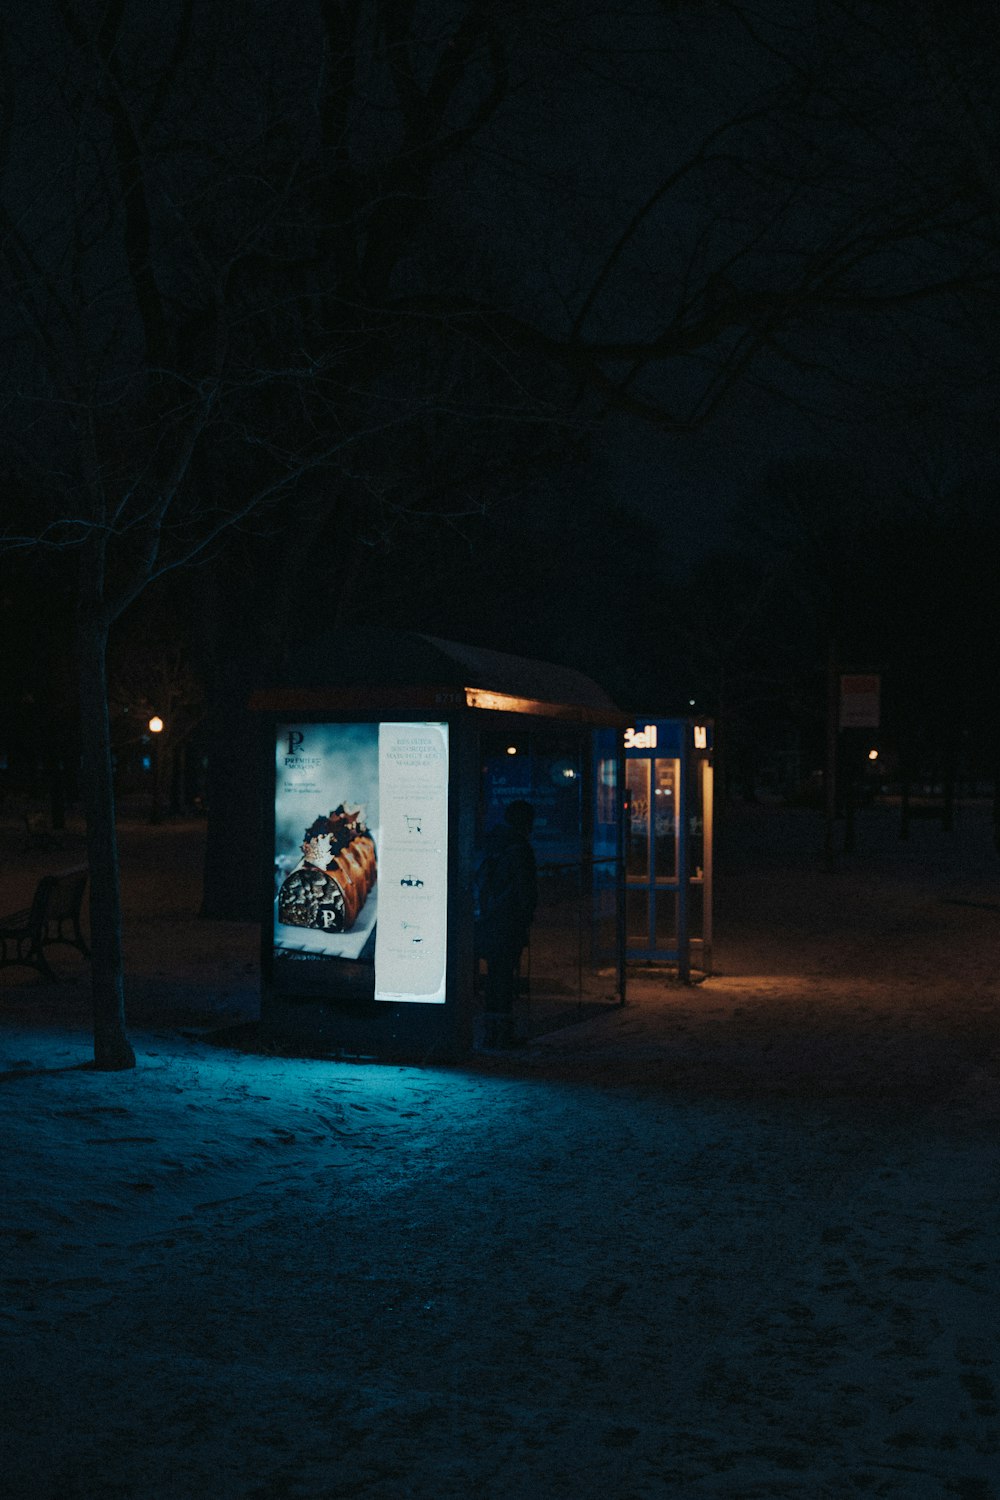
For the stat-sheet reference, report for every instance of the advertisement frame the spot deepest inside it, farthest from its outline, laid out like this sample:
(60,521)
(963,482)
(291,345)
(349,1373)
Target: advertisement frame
(343,986)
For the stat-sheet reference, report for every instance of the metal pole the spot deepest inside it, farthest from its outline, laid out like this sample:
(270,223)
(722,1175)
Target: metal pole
(708,819)
(830,774)
(681,812)
(620,883)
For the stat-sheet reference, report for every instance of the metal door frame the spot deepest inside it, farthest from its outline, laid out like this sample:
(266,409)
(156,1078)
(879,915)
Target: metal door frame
(652,739)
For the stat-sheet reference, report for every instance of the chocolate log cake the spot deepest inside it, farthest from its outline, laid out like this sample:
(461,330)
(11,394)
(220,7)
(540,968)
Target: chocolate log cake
(329,887)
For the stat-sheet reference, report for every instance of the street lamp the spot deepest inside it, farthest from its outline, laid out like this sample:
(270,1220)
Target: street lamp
(156,727)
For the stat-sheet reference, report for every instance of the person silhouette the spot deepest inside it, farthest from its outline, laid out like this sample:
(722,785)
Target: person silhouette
(505,896)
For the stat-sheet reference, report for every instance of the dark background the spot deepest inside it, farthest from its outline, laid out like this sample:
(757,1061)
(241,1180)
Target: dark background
(657,339)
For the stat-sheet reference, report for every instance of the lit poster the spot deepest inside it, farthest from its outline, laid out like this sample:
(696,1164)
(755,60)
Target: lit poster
(361,837)
(326,815)
(411,941)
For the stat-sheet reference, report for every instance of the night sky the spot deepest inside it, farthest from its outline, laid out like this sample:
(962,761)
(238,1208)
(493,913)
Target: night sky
(497,311)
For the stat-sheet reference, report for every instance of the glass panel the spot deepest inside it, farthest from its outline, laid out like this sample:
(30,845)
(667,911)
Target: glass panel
(696,912)
(637,828)
(555,795)
(707,801)
(666,920)
(666,779)
(604,914)
(637,917)
(608,796)
(571,959)
(505,776)
(696,819)
(556,934)
(607,779)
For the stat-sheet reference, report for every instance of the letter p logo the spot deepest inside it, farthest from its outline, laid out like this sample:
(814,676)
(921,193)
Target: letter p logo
(295,738)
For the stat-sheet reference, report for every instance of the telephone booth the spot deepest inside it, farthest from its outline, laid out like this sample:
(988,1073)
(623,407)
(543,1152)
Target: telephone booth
(380,790)
(668,843)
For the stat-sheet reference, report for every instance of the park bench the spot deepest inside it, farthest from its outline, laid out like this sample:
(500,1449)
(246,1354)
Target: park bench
(55,907)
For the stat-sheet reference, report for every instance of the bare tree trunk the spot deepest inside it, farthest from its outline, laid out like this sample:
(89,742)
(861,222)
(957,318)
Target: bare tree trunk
(112,1050)
(231,890)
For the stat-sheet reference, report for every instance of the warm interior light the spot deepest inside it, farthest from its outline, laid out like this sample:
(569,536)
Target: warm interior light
(873,755)
(155,725)
(511,749)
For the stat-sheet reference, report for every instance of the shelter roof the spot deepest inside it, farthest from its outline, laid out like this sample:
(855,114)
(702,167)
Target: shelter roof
(378,664)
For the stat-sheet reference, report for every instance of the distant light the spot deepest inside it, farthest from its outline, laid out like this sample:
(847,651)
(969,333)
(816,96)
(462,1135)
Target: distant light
(691,702)
(873,755)
(569,773)
(511,749)
(155,725)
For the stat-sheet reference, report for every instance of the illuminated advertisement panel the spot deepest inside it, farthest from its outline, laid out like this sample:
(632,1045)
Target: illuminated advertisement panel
(361,851)
(410,944)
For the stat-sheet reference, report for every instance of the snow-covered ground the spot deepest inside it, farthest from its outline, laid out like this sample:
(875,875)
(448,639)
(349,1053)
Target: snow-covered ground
(736,1240)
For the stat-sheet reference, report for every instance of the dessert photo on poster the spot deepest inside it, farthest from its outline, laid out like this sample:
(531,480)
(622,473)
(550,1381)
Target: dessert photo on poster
(326,810)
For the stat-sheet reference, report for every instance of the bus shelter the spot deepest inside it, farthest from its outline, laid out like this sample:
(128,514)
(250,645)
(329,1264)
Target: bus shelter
(668,842)
(380,791)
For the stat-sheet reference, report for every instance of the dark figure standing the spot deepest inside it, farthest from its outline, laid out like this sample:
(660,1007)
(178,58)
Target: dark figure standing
(506,893)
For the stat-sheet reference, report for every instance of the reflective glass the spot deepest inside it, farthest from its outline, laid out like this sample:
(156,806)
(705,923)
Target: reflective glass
(696,819)
(637,916)
(665,782)
(666,920)
(696,912)
(637,850)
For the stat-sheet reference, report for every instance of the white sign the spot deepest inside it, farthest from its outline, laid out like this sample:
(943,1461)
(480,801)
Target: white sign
(411,939)
(641,739)
(859,700)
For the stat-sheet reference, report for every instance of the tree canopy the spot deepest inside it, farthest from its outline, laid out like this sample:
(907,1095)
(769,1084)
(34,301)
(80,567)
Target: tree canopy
(355,267)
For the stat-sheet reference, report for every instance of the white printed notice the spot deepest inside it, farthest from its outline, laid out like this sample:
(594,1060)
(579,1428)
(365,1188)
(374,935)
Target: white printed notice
(411,940)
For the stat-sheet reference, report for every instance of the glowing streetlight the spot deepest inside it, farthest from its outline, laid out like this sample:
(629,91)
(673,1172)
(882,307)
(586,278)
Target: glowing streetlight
(155,727)
(873,755)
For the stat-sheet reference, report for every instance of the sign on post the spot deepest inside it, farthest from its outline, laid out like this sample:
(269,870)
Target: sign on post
(860,696)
